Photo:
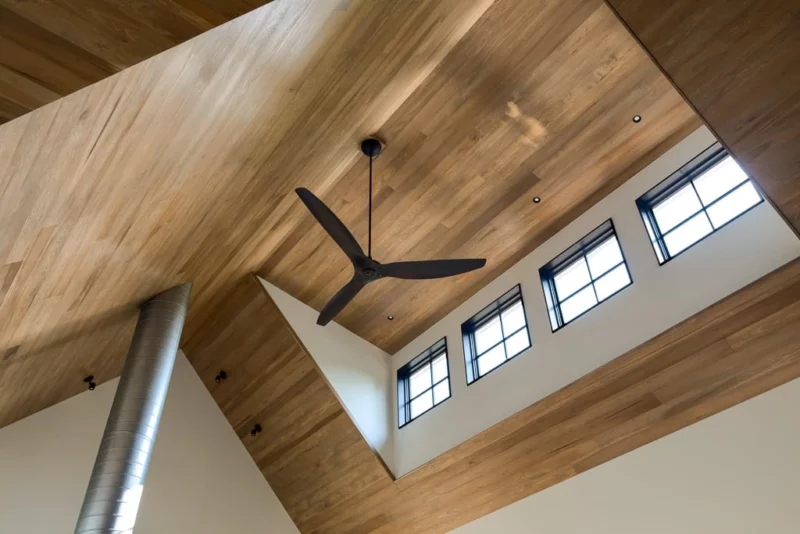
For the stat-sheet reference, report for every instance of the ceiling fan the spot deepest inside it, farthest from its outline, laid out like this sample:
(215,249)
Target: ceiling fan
(367,269)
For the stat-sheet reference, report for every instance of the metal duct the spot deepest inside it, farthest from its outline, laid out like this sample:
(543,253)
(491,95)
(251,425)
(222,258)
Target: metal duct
(117,481)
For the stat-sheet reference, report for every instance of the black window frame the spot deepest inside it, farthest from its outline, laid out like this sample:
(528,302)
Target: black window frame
(582,248)
(469,327)
(691,170)
(404,381)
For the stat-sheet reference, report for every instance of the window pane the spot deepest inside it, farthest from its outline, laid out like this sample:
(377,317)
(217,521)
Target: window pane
(677,208)
(612,282)
(513,318)
(604,257)
(441,392)
(420,380)
(491,359)
(572,278)
(718,180)
(421,404)
(577,304)
(517,343)
(439,367)
(734,204)
(688,234)
(488,335)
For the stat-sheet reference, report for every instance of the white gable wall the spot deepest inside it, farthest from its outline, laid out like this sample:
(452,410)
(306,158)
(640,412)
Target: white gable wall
(737,472)
(358,371)
(201,480)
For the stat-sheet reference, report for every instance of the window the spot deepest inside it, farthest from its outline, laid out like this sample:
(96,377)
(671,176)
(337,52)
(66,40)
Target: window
(495,335)
(584,275)
(423,383)
(699,198)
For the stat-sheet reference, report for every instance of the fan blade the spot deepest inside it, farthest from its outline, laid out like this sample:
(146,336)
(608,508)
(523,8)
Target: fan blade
(340,300)
(331,223)
(430,269)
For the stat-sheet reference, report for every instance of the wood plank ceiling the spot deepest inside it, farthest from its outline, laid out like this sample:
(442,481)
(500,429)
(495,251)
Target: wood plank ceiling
(535,100)
(51,48)
(182,168)
(744,345)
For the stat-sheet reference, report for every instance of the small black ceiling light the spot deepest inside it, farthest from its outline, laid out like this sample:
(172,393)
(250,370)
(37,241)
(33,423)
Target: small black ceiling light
(390,317)
(90,380)
(536,200)
(220,377)
(256,430)
(637,119)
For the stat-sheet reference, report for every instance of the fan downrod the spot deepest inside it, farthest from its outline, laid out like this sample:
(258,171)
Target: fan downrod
(371,147)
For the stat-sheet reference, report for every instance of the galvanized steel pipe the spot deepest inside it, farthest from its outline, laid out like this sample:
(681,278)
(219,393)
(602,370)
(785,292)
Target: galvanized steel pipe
(117,481)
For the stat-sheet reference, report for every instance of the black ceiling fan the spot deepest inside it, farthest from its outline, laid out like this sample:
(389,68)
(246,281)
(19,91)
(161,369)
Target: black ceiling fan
(367,269)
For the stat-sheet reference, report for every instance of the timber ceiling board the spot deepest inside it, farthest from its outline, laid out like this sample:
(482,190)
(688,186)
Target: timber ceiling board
(536,99)
(327,478)
(51,48)
(737,62)
(182,167)
(310,451)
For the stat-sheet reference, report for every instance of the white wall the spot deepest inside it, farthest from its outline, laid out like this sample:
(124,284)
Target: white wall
(201,478)
(737,472)
(660,297)
(358,370)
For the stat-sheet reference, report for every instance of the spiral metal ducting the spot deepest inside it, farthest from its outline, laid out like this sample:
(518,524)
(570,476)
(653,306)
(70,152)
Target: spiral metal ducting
(117,481)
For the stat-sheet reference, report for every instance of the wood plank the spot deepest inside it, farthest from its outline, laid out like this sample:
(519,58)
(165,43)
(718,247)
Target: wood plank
(328,481)
(736,63)
(309,451)
(65,45)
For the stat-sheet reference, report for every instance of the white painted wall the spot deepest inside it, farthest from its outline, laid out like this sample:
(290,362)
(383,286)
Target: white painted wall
(737,472)
(660,297)
(201,479)
(359,372)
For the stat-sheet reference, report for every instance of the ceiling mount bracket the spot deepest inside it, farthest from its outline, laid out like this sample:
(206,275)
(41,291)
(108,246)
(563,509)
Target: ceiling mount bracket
(371,147)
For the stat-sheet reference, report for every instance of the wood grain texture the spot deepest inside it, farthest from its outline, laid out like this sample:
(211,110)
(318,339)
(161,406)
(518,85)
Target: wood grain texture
(328,480)
(310,451)
(51,48)
(182,167)
(737,63)
(535,100)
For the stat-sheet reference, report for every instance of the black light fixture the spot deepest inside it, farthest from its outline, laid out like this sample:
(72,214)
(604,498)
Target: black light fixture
(220,377)
(390,317)
(256,430)
(90,380)
(637,118)
(536,200)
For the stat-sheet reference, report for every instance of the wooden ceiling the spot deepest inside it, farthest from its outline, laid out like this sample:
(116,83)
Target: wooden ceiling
(182,168)
(744,345)
(535,100)
(51,48)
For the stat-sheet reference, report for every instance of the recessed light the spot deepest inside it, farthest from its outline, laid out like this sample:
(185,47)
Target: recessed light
(637,118)
(536,200)
(390,317)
